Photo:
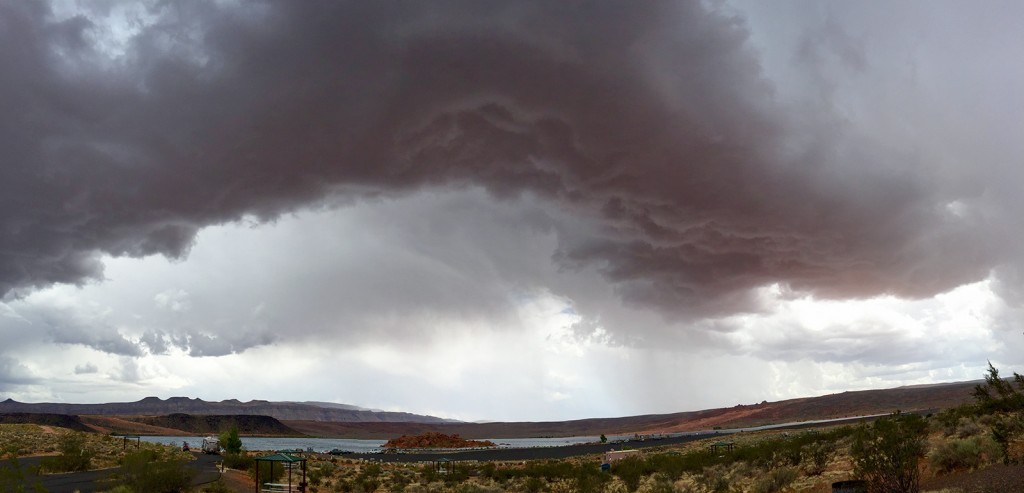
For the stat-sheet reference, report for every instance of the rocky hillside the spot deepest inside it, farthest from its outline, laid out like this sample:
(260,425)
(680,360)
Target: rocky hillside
(44,419)
(435,440)
(846,404)
(184,405)
(249,425)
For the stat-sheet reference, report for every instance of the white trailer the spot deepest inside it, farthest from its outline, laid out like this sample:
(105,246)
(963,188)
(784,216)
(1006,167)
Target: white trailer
(211,445)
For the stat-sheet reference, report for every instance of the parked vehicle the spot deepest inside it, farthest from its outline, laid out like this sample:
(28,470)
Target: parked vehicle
(211,445)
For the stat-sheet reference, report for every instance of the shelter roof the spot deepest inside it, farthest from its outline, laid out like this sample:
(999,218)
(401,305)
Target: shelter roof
(280,457)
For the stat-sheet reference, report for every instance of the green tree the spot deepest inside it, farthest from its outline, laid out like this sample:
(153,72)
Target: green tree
(604,439)
(997,394)
(230,441)
(886,453)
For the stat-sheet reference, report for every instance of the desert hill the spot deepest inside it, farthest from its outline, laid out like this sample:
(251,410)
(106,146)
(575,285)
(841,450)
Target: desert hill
(846,404)
(154,406)
(169,425)
(59,420)
(182,416)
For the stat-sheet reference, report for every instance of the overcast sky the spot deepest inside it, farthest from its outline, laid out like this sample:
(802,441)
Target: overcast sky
(526,210)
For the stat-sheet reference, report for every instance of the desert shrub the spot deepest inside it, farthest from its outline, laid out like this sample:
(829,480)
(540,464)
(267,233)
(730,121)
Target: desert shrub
(948,421)
(656,483)
(818,455)
(145,472)
(477,488)
(533,484)
(775,480)
(241,461)
(398,482)
(631,470)
(615,485)
(320,471)
(885,453)
(715,479)
(120,489)
(74,455)
(967,428)
(1004,430)
(268,472)
(368,478)
(964,454)
(343,486)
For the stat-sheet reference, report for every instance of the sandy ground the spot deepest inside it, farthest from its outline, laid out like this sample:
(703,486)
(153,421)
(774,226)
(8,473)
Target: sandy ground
(238,481)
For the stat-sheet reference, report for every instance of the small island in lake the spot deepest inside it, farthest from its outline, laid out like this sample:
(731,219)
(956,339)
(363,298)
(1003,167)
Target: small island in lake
(435,440)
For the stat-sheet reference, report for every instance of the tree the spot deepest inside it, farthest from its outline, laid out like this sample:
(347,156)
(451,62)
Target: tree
(604,439)
(997,395)
(886,453)
(230,441)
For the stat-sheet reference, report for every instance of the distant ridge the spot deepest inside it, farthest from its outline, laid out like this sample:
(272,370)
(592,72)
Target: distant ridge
(926,398)
(154,406)
(45,419)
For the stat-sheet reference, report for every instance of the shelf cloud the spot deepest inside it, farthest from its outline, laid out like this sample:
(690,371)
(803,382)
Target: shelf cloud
(688,155)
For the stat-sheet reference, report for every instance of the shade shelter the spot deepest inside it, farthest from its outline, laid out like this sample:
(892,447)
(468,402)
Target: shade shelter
(128,438)
(288,462)
(444,465)
(722,446)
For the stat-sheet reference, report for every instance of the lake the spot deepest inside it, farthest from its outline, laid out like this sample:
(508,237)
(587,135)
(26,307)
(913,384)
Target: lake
(366,446)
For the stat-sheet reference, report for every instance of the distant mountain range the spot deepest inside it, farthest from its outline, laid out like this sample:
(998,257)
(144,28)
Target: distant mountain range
(295,411)
(324,419)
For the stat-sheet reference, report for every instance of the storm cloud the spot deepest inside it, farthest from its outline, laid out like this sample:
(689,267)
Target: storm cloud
(822,194)
(655,122)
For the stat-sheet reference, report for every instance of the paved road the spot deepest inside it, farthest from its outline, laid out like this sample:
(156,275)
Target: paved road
(204,470)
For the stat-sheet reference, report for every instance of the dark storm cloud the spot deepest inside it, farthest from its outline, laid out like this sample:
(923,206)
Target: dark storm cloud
(652,120)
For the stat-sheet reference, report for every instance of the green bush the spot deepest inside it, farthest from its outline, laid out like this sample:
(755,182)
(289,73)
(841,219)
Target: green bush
(1005,429)
(74,455)
(967,428)
(885,453)
(319,472)
(819,453)
(240,461)
(657,483)
(145,472)
(775,480)
(269,472)
(715,479)
(965,454)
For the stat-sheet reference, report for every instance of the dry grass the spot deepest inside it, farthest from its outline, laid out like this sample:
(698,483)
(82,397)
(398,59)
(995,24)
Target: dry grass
(34,440)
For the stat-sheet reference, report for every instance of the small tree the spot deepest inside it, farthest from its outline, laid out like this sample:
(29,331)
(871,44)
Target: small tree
(997,394)
(230,441)
(886,453)
(604,439)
